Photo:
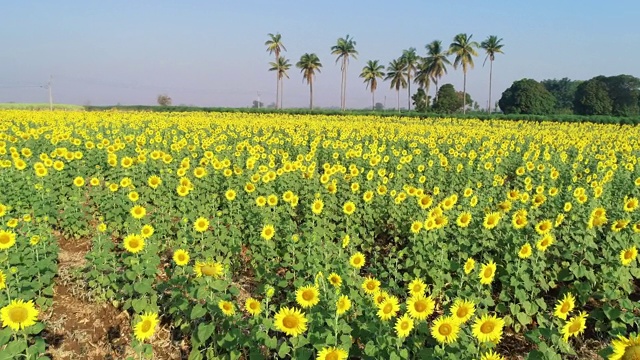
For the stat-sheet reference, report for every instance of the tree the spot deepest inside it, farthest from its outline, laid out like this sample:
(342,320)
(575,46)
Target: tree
(420,100)
(344,48)
(275,46)
(491,46)
(164,100)
(624,91)
(281,66)
(592,98)
(410,58)
(395,73)
(257,104)
(308,65)
(378,107)
(436,62)
(423,78)
(447,100)
(464,49)
(527,96)
(371,73)
(467,98)
(564,90)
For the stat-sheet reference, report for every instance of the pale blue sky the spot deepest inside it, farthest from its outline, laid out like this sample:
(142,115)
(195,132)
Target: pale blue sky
(212,53)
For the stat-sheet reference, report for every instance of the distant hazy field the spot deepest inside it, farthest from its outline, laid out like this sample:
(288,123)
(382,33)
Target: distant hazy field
(38,106)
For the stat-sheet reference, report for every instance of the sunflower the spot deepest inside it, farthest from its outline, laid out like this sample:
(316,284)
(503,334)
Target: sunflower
(349,208)
(291,321)
(343,304)
(154,181)
(332,353)
(543,227)
(317,206)
(146,327)
(464,219)
(7,239)
(210,268)
(469,265)
(133,243)
(575,326)
(631,204)
(420,307)
(367,196)
(488,328)
(201,224)
(253,306)
(147,231)
(491,220)
(226,307)
(416,226)
(445,330)
(3,280)
(272,200)
(627,256)
(565,306)
(490,355)
(389,308)
(357,260)
(379,297)
(230,195)
(133,196)
(404,325)
(181,257)
(138,212)
(425,201)
(544,242)
(19,314)
(268,231)
(308,296)
(261,201)
(525,251)
(78,181)
(335,280)
(625,348)
(417,287)
(487,273)
(370,285)
(462,310)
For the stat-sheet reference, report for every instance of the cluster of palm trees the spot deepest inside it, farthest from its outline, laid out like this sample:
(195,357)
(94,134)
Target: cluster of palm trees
(401,72)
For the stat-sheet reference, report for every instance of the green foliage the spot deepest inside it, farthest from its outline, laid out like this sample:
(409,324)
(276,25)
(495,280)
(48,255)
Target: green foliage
(592,98)
(527,96)
(564,90)
(624,91)
(447,100)
(420,100)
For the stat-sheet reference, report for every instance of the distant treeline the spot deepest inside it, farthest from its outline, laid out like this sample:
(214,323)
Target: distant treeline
(406,114)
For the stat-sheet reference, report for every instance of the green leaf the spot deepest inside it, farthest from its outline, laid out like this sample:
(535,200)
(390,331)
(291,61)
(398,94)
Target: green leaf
(284,350)
(205,331)
(198,311)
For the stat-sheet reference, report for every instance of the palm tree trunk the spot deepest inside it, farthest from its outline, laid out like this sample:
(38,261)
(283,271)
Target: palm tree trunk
(281,92)
(342,87)
(464,93)
(409,90)
(490,76)
(277,90)
(344,93)
(310,94)
(373,100)
(398,90)
(435,96)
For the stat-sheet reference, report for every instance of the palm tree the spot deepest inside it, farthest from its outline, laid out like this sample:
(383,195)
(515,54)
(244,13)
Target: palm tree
(464,49)
(423,77)
(395,73)
(492,46)
(436,62)
(344,48)
(370,73)
(280,67)
(308,65)
(274,45)
(411,61)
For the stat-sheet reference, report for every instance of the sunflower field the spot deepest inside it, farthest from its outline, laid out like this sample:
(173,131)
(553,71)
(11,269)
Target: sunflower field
(265,236)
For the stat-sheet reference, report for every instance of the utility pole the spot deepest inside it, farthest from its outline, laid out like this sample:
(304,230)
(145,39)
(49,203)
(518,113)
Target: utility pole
(50,95)
(259,100)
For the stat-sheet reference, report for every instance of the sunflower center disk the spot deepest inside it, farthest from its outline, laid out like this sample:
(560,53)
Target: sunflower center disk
(445,330)
(290,322)
(18,314)
(632,353)
(486,328)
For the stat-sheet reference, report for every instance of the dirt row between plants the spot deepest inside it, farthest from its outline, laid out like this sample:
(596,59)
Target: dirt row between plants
(79,328)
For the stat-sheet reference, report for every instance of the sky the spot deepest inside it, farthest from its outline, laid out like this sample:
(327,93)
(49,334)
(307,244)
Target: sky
(212,53)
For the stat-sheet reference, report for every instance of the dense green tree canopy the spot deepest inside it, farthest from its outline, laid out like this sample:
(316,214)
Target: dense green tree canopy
(527,96)
(447,100)
(592,98)
(564,90)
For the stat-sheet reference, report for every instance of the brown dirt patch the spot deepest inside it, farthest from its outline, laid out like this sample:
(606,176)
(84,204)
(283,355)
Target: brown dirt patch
(80,328)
